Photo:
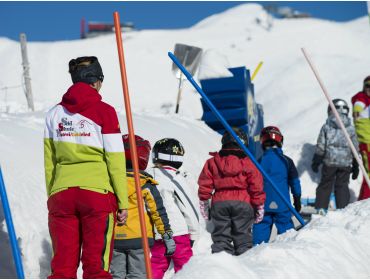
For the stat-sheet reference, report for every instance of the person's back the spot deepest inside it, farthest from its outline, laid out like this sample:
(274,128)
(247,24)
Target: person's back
(167,159)
(85,175)
(277,166)
(236,188)
(282,171)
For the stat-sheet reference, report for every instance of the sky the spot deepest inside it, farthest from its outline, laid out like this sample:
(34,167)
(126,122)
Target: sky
(57,20)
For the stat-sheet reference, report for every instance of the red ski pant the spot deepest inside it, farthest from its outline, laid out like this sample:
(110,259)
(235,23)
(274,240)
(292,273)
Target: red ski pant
(160,262)
(365,153)
(81,219)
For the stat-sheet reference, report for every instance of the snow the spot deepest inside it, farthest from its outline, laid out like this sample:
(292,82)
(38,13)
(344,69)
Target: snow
(334,246)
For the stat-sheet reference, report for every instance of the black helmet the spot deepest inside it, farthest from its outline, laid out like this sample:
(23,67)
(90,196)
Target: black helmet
(85,69)
(341,106)
(168,151)
(228,140)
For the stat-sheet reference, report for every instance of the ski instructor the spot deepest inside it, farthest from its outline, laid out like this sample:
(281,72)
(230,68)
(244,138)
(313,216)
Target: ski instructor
(85,175)
(361,116)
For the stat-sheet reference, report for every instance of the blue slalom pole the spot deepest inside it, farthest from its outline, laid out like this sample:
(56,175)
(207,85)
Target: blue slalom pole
(231,131)
(9,223)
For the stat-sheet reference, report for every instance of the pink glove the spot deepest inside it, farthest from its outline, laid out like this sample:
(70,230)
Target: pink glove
(204,209)
(259,211)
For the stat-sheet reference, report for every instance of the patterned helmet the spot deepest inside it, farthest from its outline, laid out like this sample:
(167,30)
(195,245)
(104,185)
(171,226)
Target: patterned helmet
(270,136)
(143,151)
(168,151)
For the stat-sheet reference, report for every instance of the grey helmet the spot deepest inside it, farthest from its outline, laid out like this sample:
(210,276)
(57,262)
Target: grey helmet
(341,106)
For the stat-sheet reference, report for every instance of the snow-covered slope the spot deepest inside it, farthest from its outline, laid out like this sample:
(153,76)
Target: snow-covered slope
(285,87)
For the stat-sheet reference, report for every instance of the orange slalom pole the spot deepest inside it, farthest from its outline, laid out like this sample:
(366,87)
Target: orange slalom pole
(132,142)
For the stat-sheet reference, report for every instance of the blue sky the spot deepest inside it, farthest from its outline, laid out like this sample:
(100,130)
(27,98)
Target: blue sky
(51,21)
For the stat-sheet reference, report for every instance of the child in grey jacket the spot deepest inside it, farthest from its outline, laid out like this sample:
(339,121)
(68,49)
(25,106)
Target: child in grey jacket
(333,151)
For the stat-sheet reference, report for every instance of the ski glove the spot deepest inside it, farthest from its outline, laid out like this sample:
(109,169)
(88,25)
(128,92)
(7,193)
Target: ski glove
(204,209)
(169,243)
(354,170)
(259,212)
(297,203)
(316,161)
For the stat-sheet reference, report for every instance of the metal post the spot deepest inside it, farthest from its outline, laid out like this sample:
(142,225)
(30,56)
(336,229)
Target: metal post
(180,86)
(11,232)
(231,131)
(26,71)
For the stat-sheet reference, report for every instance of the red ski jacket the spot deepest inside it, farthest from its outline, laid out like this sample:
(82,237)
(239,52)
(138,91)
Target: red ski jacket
(231,178)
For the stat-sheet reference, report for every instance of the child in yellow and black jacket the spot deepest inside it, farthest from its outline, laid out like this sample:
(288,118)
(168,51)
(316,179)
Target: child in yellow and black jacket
(128,254)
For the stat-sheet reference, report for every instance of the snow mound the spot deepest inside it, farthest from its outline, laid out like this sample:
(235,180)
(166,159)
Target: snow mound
(334,246)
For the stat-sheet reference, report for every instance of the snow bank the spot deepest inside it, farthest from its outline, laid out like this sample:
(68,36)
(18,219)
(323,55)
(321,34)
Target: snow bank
(334,246)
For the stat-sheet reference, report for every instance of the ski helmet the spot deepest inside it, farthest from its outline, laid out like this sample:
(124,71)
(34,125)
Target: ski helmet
(143,151)
(341,106)
(270,136)
(85,69)
(228,140)
(168,151)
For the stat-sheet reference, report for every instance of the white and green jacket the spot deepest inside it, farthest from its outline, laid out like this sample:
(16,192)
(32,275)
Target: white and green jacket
(83,145)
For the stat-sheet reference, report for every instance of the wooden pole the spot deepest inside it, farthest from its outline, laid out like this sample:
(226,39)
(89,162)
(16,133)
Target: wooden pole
(133,149)
(26,71)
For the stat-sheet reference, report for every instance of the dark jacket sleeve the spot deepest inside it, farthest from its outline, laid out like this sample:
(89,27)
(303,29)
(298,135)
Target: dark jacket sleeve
(293,177)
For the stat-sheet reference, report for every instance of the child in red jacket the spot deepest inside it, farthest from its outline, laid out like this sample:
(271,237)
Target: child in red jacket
(236,188)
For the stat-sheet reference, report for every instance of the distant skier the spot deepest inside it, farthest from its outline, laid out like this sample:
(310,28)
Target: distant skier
(283,173)
(361,116)
(235,186)
(333,151)
(85,175)
(168,156)
(128,255)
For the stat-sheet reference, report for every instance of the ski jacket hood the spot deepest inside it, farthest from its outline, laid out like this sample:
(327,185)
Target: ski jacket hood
(332,121)
(79,97)
(227,165)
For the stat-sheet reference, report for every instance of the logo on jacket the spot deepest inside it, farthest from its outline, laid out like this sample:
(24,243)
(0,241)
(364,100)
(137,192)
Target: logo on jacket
(66,128)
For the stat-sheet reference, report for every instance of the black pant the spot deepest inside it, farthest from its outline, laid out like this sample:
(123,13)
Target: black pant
(337,177)
(233,222)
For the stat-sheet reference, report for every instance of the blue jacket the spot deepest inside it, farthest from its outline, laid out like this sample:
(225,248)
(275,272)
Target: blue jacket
(283,173)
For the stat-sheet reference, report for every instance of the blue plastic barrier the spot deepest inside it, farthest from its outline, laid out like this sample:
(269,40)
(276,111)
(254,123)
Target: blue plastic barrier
(234,99)
(9,223)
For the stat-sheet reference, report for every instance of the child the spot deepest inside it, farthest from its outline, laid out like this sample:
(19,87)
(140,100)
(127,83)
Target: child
(167,158)
(283,173)
(128,254)
(236,188)
(334,152)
